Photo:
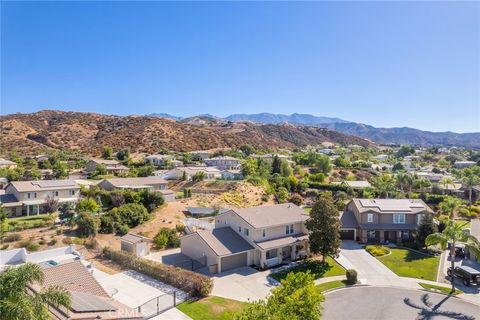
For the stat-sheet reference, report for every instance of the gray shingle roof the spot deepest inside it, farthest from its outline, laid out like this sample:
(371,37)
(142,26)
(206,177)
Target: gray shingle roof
(140,181)
(224,241)
(283,241)
(348,220)
(44,185)
(267,216)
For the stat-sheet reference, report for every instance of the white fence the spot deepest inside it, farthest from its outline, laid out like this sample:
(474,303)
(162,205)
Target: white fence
(17,256)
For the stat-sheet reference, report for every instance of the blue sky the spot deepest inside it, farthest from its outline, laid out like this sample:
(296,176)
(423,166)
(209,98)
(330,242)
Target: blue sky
(386,64)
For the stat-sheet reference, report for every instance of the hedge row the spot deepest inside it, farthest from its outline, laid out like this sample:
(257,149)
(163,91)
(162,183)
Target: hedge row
(330,187)
(196,284)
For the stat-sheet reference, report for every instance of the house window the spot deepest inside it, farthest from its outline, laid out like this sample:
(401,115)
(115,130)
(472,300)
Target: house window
(370,217)
(271,253)
(72,192)
(264,233)
(289,229)
(399,218)
(55,193)
(240,229)
(245,231)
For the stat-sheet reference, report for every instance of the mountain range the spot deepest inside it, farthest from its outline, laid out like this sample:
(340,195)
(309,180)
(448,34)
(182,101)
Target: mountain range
(403,135)
(32,133)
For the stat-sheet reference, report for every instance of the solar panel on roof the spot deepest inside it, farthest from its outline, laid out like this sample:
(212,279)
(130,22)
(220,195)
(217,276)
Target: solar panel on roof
(54,183)
(86,302)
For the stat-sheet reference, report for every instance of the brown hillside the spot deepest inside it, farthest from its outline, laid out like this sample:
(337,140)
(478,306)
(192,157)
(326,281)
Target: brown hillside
(88,132)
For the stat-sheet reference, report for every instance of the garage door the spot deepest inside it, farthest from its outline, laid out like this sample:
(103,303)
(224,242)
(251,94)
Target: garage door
(347,234)
(235,261)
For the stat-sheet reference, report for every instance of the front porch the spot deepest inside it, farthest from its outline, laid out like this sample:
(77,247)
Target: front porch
(278,251)
(386,236)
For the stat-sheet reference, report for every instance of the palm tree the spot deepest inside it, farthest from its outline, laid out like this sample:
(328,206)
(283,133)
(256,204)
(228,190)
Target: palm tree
(18,302)
(405,180)
(453,233)
(384,184)
(469,181)
(422,184)
(450,206)
(445,182)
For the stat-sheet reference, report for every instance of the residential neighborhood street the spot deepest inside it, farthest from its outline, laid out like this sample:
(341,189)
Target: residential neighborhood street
(378,303)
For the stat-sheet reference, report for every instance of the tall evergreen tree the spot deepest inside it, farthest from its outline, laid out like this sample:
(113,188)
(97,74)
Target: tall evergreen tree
(324,227)
(276,165)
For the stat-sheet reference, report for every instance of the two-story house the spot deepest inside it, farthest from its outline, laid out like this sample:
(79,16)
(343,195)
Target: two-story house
(223,163)
(262,236)
(139,183)
(380,220)
(163,160)
(30,197)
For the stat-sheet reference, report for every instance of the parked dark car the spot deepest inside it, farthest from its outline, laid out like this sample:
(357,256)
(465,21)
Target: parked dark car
(467,274)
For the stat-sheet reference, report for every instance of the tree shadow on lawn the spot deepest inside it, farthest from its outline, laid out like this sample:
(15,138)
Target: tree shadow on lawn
(416,256)
(316,268)
(430,311)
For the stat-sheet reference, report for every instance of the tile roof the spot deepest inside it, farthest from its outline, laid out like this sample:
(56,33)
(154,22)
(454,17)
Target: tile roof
(267,216)
(283,241)
(224,241)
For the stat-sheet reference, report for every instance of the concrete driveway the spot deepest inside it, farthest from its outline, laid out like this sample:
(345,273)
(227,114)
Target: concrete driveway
(243,284)
(381,303)
(370,270)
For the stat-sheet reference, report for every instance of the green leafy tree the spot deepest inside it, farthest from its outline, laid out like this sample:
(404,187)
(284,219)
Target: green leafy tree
(123,155)
(184,176)
(18,302)
(145,171)
(107,152)
(425,228)
(133,214)
(60,170)
(398,167)
(282,194)
(405,150)
(285,168)
(151,199)
(249,167)
(276,165)
(342,162)
(199,176)
(88,205)
(295,299)
(87,224)
(247,149)
(323,164)
(453,233)
(324,227)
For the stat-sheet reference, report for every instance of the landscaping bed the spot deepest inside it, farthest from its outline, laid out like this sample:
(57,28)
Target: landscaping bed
(412,264)
(211,308)
(377,251)
(318,269)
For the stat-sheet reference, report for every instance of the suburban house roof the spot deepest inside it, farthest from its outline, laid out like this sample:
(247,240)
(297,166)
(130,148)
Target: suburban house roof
(160,156)
(73,276)
(283,241)
(138,181)
(355,184)
(267,216)
(134,238)
(193,170)
(89,299)
(104,161)
(9,200)
(224,241)
(205,211)
(348,220)
(412,206)
(43,185)
(223,158)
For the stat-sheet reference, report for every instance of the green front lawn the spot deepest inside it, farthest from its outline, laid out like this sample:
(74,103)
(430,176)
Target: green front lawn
(322,287)
(408,263)
(211,308)
(319,270)
(432,287)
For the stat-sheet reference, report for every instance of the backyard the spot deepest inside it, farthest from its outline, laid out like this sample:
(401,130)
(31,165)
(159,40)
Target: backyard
(412,264)
(211,308)
(319,270)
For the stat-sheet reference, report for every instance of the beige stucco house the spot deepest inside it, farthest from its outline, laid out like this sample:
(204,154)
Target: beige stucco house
(112,166)
(139,183)
(262,236)
(30,197)
(379,220)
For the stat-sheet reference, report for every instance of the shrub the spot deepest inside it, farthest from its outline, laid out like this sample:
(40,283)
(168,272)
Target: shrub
(351,276)
(67,240)
(194,283)
(151,200)
(160,240)
(32,246)
(296,199)
(133,214)
(42,242)
(376,250)
(88,205)
(109,222)
(12,237)
(180,227)
(59,232)
(123,229)
(52,242)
